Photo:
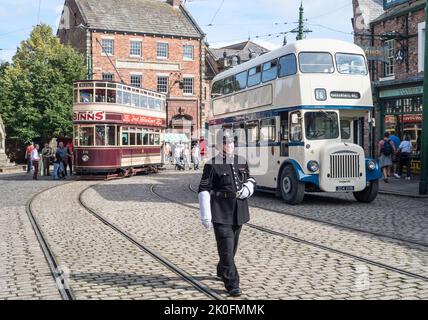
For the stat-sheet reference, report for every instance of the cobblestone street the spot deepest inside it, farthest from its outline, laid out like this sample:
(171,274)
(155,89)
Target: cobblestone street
(329,247)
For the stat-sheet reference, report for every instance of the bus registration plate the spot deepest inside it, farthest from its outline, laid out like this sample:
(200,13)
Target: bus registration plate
(345,188)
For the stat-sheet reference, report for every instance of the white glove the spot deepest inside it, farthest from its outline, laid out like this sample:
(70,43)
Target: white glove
(247,189)
(207,224)
(244,193)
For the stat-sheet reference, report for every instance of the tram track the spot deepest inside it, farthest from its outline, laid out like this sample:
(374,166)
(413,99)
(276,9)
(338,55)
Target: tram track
(157,256)
(333,224)
(307,242)
(65,292)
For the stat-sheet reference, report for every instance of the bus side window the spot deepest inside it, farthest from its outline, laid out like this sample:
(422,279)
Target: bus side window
(284,134)
(270,70)
(252,133)
(296,127)
(216,90)
(268,130)
(254,76)
(287,65)
(345,129)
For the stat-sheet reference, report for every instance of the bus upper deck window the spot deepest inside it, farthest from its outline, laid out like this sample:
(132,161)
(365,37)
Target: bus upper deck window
(216,89)
(287,65)
(270,70)
(241,81)
(228,85)
(316,62)
(351,64)
(254,76)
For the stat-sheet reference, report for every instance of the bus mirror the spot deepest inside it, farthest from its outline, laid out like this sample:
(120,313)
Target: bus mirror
(295,118)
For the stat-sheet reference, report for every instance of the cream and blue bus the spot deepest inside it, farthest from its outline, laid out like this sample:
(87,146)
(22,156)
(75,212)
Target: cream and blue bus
(300,115)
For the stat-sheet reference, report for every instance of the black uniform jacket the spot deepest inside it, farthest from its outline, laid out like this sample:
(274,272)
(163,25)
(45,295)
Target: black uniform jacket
(222,178)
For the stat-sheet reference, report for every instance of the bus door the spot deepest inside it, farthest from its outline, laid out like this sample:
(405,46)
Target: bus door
(283,134)
(253,152)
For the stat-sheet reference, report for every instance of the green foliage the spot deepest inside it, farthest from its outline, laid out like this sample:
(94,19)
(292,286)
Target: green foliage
(36,94)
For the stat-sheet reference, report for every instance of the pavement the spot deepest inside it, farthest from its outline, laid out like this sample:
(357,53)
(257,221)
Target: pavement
(401,187)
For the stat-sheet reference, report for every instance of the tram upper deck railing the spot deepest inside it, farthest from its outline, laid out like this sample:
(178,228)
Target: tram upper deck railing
(107,92)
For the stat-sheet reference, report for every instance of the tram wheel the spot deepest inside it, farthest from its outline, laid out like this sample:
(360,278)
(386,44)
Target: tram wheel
(369,193)
(292,190)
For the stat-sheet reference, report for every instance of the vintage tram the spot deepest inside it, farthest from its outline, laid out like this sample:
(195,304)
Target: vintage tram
(116,128)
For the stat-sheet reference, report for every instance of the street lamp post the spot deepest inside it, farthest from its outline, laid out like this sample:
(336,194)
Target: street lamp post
(424,146)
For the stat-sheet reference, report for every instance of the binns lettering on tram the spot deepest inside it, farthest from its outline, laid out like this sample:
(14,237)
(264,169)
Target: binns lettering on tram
(89,116)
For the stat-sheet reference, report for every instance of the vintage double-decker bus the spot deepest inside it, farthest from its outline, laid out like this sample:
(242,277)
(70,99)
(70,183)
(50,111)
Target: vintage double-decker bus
(117,128)
(302,112)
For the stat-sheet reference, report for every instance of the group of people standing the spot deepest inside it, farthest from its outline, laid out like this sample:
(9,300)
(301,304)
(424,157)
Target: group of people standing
(395,155)
(62,157)
(180,155)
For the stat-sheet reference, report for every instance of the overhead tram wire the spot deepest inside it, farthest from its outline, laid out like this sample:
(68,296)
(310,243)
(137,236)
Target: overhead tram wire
(216,13)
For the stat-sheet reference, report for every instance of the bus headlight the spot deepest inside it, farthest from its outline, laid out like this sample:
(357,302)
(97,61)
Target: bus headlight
(313,166)
(371,165)
(85,158)
(320,94)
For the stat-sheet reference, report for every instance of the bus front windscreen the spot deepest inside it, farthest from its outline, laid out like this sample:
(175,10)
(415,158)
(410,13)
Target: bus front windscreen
(321,125)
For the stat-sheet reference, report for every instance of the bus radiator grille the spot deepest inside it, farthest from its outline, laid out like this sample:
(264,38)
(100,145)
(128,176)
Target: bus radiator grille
(344,166)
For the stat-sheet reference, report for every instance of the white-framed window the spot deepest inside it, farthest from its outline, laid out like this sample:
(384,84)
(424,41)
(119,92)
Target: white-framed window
(421,46)
(108,77)
(135,48)
(136,80)
(188,52)
(162,84)
(188,86)
(108,46)
(162,50)
(388,67)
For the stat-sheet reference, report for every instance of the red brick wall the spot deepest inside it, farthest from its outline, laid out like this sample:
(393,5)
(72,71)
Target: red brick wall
(398,24)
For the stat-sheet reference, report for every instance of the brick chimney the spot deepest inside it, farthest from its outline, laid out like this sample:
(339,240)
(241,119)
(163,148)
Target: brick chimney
(174,3)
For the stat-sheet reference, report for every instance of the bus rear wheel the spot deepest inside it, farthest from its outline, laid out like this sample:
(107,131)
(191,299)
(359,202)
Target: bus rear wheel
(369,193)
(292,190)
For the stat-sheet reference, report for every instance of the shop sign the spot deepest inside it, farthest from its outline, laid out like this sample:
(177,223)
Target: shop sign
(89,116)
(143,120)
(376,53)
(401,92)
(412,118)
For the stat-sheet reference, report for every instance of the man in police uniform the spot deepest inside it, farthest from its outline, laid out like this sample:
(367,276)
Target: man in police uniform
(223,192)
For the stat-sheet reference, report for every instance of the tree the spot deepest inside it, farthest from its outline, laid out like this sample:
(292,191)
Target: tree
(36,89)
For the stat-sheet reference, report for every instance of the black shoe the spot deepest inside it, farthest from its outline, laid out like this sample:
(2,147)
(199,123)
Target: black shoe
(235,292)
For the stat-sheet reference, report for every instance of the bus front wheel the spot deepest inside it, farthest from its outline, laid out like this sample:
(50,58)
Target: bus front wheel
(292,190)
(369,193)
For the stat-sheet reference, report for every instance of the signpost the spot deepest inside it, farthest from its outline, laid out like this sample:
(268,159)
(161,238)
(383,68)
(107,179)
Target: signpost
(376,53)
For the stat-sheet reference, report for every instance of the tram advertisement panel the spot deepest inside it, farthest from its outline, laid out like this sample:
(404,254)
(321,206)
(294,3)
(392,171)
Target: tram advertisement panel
(143,120)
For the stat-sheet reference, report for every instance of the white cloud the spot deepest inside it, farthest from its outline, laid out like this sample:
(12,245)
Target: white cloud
(6,55)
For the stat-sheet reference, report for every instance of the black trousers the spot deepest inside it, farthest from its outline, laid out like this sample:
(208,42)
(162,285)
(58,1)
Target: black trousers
(68,163)
(227,237)
(405,160)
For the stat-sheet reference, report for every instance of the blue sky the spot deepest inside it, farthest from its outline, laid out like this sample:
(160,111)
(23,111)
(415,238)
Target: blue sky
(231,20)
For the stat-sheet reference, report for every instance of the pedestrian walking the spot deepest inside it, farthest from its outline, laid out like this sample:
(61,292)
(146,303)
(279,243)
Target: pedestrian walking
(46,159)
(196,155)
(186,156)
(28,152)
(405,150)
(178,155)
(386,149)
(61,155)
(69,158)
(227,179)
(35,159)
(395,159)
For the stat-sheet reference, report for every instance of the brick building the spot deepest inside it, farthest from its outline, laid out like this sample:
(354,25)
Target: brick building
(398,28)
(145,43)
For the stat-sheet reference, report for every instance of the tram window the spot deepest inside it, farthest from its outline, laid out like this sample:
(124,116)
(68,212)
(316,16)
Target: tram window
(111,135)
(145,137)
(76,135)
(143,102)
(345,129)
(151,103)
(86,95)
(253,132)
(132,133)
(87,136)
(126,97)
(158,104)
(119,96)
(270,70)
(287,65)
(100,135)
(151,137)
(228,85)
(157,139)
(75,96)
(216,89)
(125,136)
(316,62)
(139,137)
(111,96)
(268,130)
(100,95)
(254,76)
(241,81)
(136,100)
